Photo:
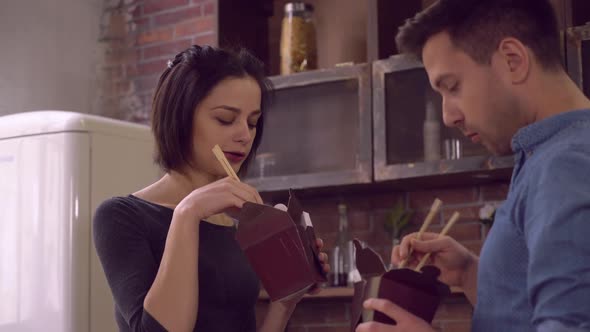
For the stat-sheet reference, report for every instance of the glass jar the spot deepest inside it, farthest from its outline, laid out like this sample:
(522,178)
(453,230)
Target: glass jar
(298,39)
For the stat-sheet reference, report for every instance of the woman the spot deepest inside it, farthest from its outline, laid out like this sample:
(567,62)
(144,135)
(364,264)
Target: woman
(168,250)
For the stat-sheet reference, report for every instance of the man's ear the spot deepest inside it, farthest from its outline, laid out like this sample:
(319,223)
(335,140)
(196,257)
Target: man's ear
(515,58)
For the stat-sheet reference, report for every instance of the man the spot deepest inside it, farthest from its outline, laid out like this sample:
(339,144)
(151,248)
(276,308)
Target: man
(496,64)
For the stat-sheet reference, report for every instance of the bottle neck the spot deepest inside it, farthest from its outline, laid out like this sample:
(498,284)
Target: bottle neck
(306,15)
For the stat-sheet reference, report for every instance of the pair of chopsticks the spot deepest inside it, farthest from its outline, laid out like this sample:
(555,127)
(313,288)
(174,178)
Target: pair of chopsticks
(224,163)
(433,211)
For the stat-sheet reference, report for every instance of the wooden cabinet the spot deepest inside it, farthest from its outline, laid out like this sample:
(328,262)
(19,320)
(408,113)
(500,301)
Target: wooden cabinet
(317,131)
(411,142)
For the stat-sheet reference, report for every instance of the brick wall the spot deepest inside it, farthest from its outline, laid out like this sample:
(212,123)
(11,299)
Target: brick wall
(138,37)
(366,214)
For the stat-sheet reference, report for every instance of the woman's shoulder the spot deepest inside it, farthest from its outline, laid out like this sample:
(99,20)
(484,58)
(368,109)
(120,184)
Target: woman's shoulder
(117,206)
(125,212)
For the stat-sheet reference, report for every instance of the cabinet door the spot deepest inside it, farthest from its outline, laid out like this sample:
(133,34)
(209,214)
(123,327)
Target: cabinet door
(409,136)
(317,131)
(578,56)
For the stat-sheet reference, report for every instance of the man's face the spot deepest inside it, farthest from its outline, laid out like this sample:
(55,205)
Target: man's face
(475,98)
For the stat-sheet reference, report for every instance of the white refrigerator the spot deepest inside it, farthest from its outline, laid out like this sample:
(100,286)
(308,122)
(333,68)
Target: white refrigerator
(55,169)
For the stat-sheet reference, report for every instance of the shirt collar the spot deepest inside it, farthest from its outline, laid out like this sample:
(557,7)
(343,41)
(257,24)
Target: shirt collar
(528,138)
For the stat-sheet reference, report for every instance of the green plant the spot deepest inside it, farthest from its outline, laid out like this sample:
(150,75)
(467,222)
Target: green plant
(397,220)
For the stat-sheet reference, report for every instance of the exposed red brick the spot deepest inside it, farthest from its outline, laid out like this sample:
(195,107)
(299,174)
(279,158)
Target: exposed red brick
(151,67)
(154,36)
(190,28)
(145,83)
(141,24)
(468,214)
(154,6)
(424,199)
(359,221)
(167,49)
(178,15)
(386,200)
(355,203)
(113,72)
(329,240)
(462,232)
(131,70)
(419,216)
(122,87)
(209,39)
(494,192)
(209,8)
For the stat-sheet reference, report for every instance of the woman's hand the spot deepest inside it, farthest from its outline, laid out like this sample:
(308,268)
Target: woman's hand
(225,195)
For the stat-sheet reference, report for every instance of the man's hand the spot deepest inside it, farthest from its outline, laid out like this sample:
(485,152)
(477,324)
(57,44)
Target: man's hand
(406,322)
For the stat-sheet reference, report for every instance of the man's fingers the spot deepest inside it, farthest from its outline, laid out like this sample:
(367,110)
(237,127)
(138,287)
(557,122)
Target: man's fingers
(386,307)
(431,246)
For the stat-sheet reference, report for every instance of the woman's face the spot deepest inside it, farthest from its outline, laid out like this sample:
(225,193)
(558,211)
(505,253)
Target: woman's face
(227,117)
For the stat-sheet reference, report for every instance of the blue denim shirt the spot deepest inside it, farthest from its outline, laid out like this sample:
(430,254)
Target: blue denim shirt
(534,269)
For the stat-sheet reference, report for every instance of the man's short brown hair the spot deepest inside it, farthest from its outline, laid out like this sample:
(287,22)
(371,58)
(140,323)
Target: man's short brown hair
(477,27)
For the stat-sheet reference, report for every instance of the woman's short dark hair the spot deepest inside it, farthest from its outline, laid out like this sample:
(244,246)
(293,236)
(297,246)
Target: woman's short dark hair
(189,78)
(477,27)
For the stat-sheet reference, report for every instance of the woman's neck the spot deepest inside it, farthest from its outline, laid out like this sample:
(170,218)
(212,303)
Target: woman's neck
(174,186)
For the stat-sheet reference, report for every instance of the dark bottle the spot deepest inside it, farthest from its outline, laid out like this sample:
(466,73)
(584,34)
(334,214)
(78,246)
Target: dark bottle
(341,263)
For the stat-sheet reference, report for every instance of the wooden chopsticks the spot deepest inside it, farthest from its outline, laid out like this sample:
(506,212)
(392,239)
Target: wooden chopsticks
(444,232)
(433,211)
(224,163)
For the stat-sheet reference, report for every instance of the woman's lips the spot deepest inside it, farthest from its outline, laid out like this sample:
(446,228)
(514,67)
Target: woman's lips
(234,157)
(475,138)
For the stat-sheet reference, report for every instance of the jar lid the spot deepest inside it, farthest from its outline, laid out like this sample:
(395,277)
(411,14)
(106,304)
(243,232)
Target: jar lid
(298,7)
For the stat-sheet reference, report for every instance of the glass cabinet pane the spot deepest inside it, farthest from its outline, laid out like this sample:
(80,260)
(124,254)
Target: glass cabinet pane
(414,128)
(578,56)
(317,131)
(585,53)
(409,137)
(311,129)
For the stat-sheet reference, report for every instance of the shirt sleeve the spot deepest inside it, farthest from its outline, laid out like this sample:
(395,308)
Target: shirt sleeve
(554,326)
(557,231)
(124,252)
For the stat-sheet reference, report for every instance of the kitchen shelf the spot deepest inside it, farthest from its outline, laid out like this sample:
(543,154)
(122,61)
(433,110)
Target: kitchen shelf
(340,293)
(346,30)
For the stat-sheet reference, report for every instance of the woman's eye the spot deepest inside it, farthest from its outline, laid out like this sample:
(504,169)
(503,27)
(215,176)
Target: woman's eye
(252,125)
(454,88)
(224,122)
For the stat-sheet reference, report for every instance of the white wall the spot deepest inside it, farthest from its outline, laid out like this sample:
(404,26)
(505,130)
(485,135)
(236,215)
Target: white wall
(49,53)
